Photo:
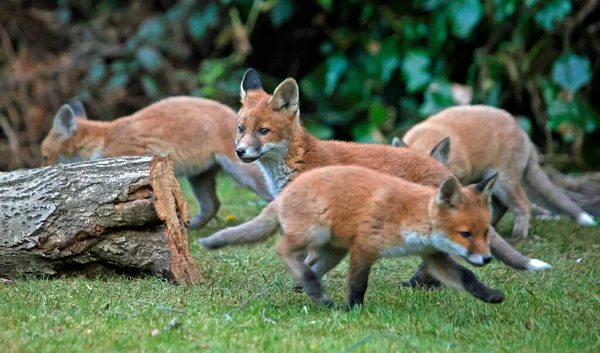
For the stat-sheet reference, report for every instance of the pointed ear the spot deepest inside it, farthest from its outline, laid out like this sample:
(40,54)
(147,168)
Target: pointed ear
(78,109)
(397,142)
(441,151)
(250,82)
(65,123)
(449,193)
(486,187)
(286,96)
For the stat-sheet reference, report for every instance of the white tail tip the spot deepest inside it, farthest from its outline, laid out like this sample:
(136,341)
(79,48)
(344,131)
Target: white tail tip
(536,265)
(585,219)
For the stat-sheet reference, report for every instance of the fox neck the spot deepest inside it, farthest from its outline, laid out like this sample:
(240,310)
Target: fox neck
(280,167)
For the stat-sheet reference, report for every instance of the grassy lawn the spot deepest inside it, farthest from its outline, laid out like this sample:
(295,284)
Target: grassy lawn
(246,304)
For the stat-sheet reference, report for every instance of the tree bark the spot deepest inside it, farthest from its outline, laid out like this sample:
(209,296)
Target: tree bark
(125,215)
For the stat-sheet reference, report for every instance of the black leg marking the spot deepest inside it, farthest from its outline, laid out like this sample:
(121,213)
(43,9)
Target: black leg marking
(478,289)
(357,288)
(423,280)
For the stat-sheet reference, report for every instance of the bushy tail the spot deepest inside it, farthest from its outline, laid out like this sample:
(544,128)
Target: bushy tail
(538,182)
(257,230)
(510,256)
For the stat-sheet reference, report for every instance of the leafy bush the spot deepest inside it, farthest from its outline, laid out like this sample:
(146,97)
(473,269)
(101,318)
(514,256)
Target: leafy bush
(367,69)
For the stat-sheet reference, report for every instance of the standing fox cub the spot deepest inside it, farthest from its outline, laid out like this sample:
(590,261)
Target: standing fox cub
(270,133)
(197,133)
(487,140)
(379,216)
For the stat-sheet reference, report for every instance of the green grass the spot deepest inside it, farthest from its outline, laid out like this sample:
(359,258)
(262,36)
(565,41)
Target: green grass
(551,311)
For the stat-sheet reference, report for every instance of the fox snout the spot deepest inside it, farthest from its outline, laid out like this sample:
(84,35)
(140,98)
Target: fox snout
(479,260)
(240,151)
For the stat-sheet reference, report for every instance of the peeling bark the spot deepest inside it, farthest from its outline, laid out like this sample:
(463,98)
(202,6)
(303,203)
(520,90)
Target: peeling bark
(125,214)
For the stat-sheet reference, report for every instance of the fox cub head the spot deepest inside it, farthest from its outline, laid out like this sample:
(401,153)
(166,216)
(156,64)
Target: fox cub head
(64,144)
(266,122)
(461,219)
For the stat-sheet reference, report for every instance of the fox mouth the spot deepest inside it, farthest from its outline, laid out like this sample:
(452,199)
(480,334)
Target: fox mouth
(249,159)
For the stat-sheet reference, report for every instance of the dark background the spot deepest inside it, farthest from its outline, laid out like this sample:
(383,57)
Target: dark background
(367,69)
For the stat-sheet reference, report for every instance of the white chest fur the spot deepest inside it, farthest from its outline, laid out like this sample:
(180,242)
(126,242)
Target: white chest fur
(418,244)
(413,244)
(277,174)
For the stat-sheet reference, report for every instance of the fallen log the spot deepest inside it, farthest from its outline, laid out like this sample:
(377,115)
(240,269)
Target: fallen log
(125,215)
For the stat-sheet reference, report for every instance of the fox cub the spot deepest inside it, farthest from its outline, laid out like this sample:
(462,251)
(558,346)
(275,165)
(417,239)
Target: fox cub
(270,133)
(486,140)
(378,216)
(197,133)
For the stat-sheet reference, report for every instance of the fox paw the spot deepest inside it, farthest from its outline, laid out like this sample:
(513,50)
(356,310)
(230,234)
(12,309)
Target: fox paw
(495,297)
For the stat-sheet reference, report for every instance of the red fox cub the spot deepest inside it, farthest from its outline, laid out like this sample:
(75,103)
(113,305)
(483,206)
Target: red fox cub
(379,216)
(197,133)
(270,133)
(487,140)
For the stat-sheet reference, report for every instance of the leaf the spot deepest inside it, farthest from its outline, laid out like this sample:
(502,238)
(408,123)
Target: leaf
(552,12)
(464,16)
(336,65)
(415,70)
(378,114)
(201,20)
(362,132)
(525,124)
(149,57)
(326,4)
(151,29)
(571,71)
(150,86)
(503,9)
(388,59)
(437,97)
(282,12)
(97,72)
(117,81)
(319,130)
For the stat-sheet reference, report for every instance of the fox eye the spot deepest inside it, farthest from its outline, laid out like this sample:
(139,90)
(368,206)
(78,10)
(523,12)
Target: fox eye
(466,235)
(241,129)
(263,131)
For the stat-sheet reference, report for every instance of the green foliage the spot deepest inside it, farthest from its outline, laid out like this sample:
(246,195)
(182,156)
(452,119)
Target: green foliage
(383,66)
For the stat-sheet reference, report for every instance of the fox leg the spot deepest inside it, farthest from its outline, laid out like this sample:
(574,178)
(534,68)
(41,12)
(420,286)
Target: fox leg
(512,195)
(453,275)
(204,187)
(287,252)
(325,259)
(422,279)
(358,276)
(498,210)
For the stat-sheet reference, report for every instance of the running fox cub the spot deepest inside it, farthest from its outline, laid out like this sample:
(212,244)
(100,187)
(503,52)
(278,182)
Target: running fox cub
(270,133)
(379,216)
(487,140)
(197,133)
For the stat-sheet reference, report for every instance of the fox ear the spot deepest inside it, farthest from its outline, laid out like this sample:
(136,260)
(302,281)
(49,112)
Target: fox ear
(78,109)
(286,96)
(449,193)
(486,187)
(441,151)
(65,123)
(250,82)
(397,142)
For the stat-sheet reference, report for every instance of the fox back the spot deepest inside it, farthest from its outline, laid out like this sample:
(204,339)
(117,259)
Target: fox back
(191,130)
(270,132)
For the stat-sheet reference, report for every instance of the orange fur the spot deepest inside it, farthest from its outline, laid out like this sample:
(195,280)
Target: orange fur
(378,216)
(270,133)
(197,133)
(485,140)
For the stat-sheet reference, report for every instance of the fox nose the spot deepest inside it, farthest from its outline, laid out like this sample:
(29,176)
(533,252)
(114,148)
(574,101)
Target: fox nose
(487,259)
(240,151)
